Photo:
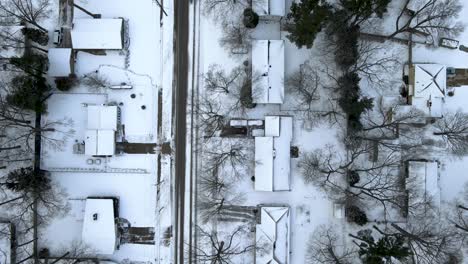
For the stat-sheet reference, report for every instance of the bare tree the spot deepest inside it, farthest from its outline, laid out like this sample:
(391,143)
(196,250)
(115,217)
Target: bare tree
(217,80)
(460,217)
(30,11)
(236,38)
(13,39)
(29,187)
(214,185)
(453,128)
(430,18)
(229,158)
(305,85)
(326,247)
(353,175)
(430,239)
(211,114)
(96,81)
(215,207)
(221,247)
(375,63)
(218,8)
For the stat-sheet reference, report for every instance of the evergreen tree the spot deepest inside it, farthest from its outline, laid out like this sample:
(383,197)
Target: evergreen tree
(31,64)
(380,251)
(27,92)
(356,215)
(307,19)
(358,11)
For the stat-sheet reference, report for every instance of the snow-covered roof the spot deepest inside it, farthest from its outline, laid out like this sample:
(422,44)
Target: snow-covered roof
(273,155)
(100,142)
(427,88)
(425,174)
(272,126)
(100,136)
(264,163)
(59,62)
(272,236)
(9,47)
(5,243)
(269,7)
(102,117)
(99,230)
(268,65)
(103,33)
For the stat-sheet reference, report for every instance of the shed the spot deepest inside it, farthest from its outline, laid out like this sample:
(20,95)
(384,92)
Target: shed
(273,155)
(97,34)
(273,236)
(427,87)
(99,228)
(269,7)
(268,66)
(61,62)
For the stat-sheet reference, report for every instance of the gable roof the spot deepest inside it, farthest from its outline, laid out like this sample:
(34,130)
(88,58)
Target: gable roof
(272,236)
(268,65)
(99,230)
(273,155)
(105,33)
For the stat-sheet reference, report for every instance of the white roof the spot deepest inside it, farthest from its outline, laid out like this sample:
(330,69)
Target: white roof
(100,142)
(269,7)
(99,230)
(272,236)
(428,91)
(264,164)
(9,47)
(59,62)
(273,157)
(426,175)
(272,126)
(268,65)
(5,243)
(102,117)
(103,33)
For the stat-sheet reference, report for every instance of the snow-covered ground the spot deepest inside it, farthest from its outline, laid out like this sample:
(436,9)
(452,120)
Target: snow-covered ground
(132,178)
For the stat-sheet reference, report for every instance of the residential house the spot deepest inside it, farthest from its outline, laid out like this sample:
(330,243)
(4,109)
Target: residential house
(268,71)
(99,227)
(423,183)
(98,34)
(102,126)
(427,88)
(273,155)
(273,236)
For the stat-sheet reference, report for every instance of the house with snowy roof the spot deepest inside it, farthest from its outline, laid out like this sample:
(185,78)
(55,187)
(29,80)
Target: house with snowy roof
(268,71)
(99,227)
(61,62)
(427,88)
(423,183)
(273,155)
(97,34)
(101,128)
(272,236)
(269,7)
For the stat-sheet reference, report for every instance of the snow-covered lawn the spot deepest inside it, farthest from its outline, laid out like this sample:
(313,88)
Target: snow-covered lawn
(136,194)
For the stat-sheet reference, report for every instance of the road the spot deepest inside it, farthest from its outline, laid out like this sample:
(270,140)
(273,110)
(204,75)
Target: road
(181,30)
